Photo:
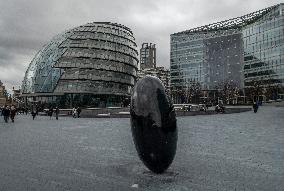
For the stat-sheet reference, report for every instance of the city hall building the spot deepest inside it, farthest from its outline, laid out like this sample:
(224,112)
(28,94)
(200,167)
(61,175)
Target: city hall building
(242,51)
(94,64)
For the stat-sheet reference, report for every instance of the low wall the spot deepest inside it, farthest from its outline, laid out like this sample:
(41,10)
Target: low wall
(211,112)
(122,112)
(276,104)
(112,111)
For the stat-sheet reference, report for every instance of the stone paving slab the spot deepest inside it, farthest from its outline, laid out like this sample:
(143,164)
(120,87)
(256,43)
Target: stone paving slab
(242,151)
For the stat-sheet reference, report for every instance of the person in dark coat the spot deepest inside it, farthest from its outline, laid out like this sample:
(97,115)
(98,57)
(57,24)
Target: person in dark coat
(56,113)
(1,111)
(50,112)
(6,113)
(78,112)
(34,112)
(13,112)
(255,107)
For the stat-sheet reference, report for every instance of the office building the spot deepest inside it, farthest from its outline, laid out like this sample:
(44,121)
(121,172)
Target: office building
(242,51)
(148,56)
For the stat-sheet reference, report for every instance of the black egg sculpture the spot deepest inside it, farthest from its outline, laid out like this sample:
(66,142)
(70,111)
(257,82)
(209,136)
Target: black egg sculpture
(153,124)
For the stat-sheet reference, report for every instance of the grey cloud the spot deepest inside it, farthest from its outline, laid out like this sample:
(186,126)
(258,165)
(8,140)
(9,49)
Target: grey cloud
(26,25)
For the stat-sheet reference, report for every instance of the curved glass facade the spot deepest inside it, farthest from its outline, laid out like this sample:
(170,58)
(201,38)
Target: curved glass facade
(97,58)
(243,51)
(40,75)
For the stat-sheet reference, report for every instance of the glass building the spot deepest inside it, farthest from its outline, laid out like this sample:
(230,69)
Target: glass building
(94,64)
(243,51)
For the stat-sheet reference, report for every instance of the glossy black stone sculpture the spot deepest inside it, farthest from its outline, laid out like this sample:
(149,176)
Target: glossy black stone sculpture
(153,124)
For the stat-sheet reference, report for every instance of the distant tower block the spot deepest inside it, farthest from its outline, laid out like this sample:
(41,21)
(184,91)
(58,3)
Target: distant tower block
(148,56)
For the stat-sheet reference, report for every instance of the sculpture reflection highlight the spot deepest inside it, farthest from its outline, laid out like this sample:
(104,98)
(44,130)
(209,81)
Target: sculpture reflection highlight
(153,124)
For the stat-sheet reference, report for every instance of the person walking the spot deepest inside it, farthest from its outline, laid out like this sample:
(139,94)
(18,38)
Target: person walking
(56,113)
(74,112)
(13,112)
(1,111)
(255,107)
(78,112)
(33,112)
(6,113)
(50,112)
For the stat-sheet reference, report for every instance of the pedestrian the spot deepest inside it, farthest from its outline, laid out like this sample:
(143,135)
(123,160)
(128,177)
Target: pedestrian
(33,112)
(36,109)
(50,112)
(6,113)
(1,111)
(74,112)
(255,107)
(56,113)
(13,112)
(78,112)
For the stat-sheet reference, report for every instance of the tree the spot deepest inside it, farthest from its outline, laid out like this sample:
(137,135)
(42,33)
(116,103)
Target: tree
(195,92)
(272,88)
(254,89)
(227,91)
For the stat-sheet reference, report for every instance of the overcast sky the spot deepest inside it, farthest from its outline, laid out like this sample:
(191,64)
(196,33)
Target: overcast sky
(26,25)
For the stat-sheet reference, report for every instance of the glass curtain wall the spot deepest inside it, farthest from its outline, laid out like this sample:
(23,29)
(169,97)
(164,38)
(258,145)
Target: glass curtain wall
(94,59)
(242,52)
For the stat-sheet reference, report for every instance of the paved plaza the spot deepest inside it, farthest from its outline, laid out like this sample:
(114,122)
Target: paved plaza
(242,151)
